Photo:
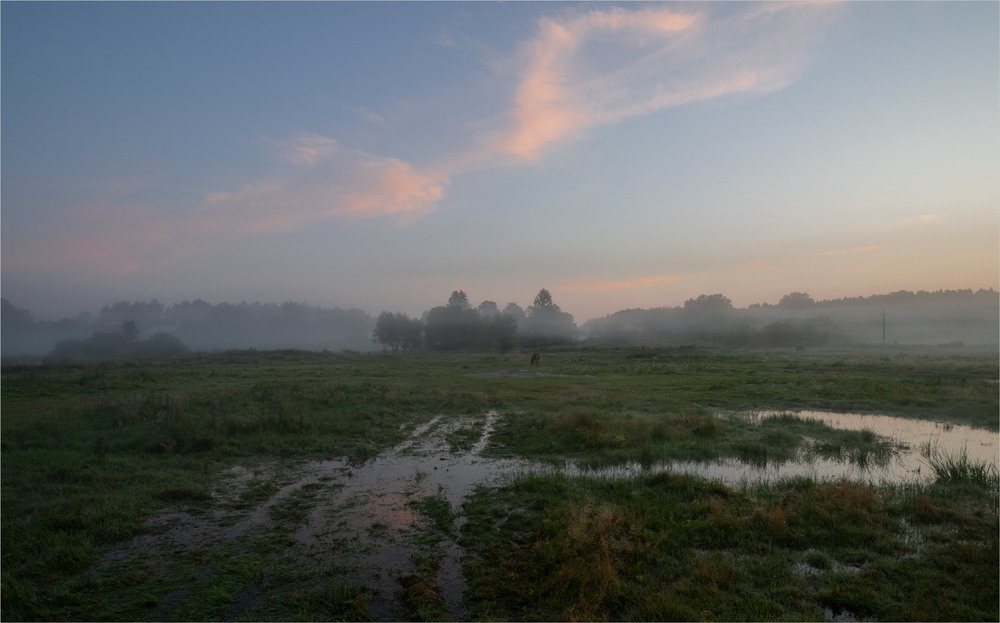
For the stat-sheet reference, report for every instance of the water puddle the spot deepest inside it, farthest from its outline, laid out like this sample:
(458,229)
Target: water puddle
(907,465)
(362,516)
(980,445)
(373,509)
(364,520)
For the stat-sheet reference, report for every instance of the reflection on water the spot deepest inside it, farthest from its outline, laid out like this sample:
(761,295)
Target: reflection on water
(362,518)
(379,493)
(980,444)
(908,465)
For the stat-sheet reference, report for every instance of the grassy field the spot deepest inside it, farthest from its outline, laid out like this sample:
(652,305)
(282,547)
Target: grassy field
(94,456)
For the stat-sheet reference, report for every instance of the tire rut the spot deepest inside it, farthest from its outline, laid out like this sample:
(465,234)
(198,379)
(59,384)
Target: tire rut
(361,520)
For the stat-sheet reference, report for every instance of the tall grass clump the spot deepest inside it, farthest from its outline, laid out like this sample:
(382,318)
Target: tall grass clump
(958,467)
(863,448)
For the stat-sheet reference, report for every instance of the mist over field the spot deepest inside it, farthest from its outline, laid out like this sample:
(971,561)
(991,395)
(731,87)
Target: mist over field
(153,328)
(333,160)
(957,317)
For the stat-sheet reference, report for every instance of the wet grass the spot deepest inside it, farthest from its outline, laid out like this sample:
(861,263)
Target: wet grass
(441,518)
(863,448)
(463,438)
(89,452)
(670,547)
(420,594)
(596,439)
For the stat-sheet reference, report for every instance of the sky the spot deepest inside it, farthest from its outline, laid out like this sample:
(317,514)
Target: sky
(381,155)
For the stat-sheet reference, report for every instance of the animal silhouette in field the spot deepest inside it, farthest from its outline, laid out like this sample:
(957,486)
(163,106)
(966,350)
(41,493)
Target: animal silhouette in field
(536,358)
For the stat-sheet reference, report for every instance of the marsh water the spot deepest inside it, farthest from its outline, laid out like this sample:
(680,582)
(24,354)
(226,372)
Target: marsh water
(906,464)
(366,516)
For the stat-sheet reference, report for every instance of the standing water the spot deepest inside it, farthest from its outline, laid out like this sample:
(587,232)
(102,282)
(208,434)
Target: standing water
(362,522)
(907,465)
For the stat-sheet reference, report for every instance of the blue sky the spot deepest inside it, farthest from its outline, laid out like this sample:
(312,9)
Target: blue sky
(381,155)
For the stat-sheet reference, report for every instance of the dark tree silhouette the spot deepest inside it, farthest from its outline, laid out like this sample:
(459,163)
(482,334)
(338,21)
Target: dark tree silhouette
(546,323)
(488,309)
(459,300)
(398,331)
(796,300)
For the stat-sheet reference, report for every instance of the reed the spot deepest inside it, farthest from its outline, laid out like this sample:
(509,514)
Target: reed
(957,467)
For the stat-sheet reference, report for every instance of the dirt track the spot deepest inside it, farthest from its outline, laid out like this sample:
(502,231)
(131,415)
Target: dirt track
(355,518)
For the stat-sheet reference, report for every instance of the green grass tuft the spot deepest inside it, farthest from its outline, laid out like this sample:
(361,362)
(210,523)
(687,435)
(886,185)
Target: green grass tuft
(957,467)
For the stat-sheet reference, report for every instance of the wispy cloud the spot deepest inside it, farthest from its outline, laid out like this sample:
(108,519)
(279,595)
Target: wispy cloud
(393,187)
(314,180)
(326,181)
(549,104)
(581,69)
(588,285)
(604,65)
(306,149)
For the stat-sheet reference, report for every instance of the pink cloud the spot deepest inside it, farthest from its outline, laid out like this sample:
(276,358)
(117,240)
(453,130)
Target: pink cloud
(545,113)
(582,70)
(587,285)
(319,182)
(547,108)
(397,188)
(326,182)
(602,66)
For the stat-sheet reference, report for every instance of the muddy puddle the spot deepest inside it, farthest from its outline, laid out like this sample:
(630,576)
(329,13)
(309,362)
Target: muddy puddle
(364,516)
(363,523)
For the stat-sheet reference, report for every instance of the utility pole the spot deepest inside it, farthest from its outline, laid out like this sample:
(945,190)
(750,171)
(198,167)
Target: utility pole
(883,326)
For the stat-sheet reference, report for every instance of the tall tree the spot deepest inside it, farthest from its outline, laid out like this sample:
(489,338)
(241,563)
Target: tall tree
(455,325)
(459,300)
(546,324)
(543,303)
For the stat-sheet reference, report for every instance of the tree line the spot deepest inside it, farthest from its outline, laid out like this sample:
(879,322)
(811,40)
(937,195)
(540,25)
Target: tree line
(197,324)
(151,328)
(944,317)
(458,325)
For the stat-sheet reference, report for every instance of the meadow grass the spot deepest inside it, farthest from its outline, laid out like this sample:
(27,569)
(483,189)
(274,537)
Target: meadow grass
(673,547)
(89,452)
